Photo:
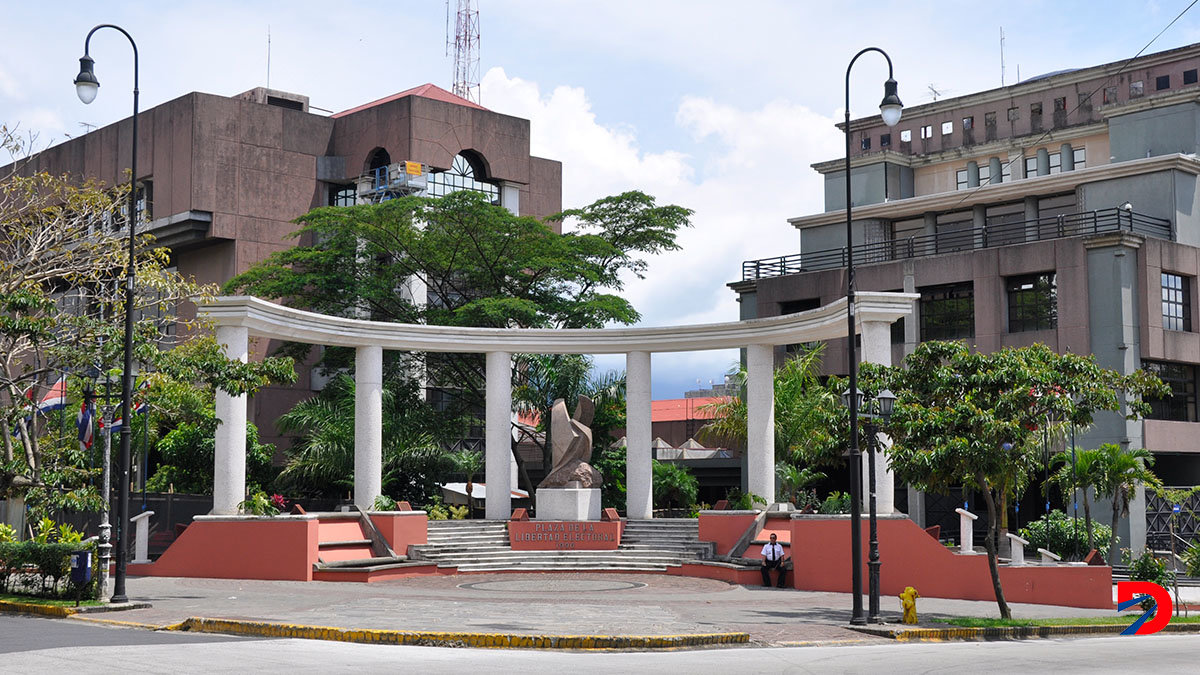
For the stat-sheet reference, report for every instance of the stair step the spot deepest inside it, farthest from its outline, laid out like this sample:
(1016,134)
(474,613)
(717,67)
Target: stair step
(364,562)
(344,542)
(545,567)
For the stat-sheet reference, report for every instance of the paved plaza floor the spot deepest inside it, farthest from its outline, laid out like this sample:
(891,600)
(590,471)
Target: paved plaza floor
(542,604)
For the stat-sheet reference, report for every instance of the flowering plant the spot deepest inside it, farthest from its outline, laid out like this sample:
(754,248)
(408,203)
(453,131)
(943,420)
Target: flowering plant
(259,504)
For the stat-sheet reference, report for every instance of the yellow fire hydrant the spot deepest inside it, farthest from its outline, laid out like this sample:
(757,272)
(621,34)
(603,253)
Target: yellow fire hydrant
(908,601)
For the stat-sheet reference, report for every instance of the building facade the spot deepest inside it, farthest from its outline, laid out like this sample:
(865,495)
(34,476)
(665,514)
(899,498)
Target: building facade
(223,178)
(1064,209)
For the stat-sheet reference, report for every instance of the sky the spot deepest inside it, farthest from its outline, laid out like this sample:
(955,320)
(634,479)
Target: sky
(716,106)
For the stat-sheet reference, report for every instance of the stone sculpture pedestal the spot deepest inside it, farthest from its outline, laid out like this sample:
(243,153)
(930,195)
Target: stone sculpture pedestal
(568,504)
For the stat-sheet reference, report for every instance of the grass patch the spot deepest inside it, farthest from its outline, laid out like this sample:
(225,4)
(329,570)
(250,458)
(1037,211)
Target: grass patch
(48,602)
(1124,619)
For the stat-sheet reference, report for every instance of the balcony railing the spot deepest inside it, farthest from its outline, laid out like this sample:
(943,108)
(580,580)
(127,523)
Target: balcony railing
(965,239)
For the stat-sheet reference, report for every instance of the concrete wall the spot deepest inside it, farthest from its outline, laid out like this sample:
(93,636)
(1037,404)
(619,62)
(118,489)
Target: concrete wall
(870,184)
(1157,131)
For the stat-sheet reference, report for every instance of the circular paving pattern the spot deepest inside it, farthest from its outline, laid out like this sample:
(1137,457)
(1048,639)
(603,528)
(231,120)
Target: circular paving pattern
(553,585)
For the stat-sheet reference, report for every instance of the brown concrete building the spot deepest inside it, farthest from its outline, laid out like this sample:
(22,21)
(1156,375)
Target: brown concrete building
(1064,209)
(224,177)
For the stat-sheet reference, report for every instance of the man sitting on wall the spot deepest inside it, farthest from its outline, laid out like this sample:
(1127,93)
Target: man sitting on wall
(773,559)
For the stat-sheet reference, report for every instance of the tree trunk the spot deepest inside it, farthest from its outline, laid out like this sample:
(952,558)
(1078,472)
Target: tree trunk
(990,545)
(1087,522)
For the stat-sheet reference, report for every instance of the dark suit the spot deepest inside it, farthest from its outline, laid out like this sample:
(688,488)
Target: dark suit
(772,560)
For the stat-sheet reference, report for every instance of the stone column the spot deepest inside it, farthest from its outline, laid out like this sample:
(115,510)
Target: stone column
(229,451)
(1043,162)
(760,421)
(639,474)
(368,425)
(498,436)
(996,169)
(1066,157)
(877,348)
(972,174)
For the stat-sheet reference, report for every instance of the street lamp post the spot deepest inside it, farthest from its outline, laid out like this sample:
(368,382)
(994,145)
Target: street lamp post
(880,409)
(86,86)
(890,109)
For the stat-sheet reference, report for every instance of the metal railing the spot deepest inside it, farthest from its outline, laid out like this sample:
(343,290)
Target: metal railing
(965,239)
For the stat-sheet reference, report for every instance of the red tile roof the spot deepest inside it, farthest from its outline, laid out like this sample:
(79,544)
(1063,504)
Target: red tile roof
(679,409)
(431,91)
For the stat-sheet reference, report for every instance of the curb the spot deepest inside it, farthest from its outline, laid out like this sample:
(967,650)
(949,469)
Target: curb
(454,639)
(1006,632)
(61,612)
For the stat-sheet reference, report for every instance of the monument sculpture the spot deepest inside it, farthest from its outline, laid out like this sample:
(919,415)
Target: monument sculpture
(571,491)
(571,438)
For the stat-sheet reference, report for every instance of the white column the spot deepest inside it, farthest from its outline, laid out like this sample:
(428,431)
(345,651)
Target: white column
(1137,521)
(760,421)
(368,425)
(639,474)
(229,452)
(141,537)
(498,435)
(966,530)
(877,348)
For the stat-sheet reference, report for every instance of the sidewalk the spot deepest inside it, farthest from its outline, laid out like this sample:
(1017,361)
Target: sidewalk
(541,604)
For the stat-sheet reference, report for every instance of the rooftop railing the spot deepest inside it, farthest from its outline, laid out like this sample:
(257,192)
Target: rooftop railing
(965,237)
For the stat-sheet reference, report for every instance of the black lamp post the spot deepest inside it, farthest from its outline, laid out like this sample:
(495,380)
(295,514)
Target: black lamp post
(86,85)
(890,109)
(878,410)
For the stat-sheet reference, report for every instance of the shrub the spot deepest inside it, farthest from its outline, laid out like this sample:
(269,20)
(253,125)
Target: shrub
(384,503)
(835,502)
(674,486)
(458,512)
(743,501)
(1148,568)
(38,568)
(1056,532)
(7,533)
(259,504)
(1191,558)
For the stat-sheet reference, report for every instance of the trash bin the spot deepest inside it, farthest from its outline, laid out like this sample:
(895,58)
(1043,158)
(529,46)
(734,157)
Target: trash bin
(81,568)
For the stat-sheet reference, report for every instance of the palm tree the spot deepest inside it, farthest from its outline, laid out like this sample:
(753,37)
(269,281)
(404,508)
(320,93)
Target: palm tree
(1082,475)
(321,461)
(469,462)
(1118,472)
(793,479)
(803,408)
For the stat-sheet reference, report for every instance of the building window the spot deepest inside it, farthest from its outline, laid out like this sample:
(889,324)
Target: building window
(1110,95)
(1180,406)
(1055,163)
(1176,302)
(968,123)
(461,176)
(1060,104)
(1080,158)
(793,306)
(898,331)
(865,143)
(948,312)
(960,179)
(927,131)
(947,128)
(906,136)
(1031,166)
(1014,114)
(1032,302)
(1085,100)
(1035,108)
(341,195)
(1189,76)
(885,140)
(1162,82)
(1136,89)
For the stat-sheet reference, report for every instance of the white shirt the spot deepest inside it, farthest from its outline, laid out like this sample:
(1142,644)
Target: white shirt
(772,551)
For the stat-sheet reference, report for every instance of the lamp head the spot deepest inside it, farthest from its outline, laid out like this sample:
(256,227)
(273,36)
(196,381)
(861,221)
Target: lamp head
(86,84)
(887,403)
(891,107)
(858,397)
(1126,207)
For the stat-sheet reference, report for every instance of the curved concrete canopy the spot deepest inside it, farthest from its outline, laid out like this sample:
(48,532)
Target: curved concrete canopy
(267,319)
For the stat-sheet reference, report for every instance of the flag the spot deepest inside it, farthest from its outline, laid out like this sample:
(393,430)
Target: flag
(83,422)
(139,406)
(55,398)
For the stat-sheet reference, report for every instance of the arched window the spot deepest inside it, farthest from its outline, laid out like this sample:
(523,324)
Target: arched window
(462,175)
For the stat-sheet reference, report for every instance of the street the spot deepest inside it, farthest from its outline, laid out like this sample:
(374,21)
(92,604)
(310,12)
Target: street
(35,645)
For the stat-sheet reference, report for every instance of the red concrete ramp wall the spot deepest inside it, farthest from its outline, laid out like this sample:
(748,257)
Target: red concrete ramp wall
(910,557)
(279,548)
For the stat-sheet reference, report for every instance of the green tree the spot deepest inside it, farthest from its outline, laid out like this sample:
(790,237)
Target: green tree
(321,460)
(793,480)
(469,462)
(805,409)
(481,266)
(187,459)
(674,485)
(1117,473)
(964,418)
(1081,474)
(62,256)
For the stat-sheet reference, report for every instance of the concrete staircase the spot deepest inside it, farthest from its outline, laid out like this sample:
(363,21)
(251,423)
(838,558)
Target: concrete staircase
(348,545)
(483,546)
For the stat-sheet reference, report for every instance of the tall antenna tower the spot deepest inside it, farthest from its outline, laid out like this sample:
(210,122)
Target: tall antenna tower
(1001,56)
(466,48)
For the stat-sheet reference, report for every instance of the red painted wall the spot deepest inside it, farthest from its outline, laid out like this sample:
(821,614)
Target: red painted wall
(276,548)
(401,531)
(821,555)
(724,529)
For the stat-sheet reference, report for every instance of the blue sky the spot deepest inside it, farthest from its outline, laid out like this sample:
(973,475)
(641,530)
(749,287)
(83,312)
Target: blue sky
(717,106)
